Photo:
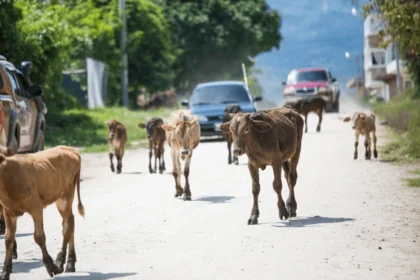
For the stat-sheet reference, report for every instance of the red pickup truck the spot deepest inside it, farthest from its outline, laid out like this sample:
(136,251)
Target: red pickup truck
(22,111)
(308,82)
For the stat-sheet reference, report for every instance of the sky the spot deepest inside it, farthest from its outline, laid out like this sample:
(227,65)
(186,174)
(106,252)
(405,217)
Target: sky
(317,33)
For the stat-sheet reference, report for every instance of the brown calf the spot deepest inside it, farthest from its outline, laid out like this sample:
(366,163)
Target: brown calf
(364,124)
(305,106)
(157,137)
(183,136)
(117,138)
(269,137)
(230,110)
(31,182)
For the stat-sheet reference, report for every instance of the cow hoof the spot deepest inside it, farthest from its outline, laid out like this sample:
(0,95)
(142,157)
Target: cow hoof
(283,212)
(355,156)
(253,220)
(160,171)
(70,267)
(112,168)
(236,163)
(5,276)
(186,197)
(178,193)
(375,154)
(52,269)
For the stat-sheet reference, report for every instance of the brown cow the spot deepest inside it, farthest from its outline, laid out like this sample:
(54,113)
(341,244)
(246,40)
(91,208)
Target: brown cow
(364,124)
(183,136)
(31,182)
(157,137)
(269,137)
(231,109)
(116,140)
(305,106)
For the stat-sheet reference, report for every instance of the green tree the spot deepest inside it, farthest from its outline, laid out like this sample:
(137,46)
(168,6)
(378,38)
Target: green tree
(216,36)
(402,25)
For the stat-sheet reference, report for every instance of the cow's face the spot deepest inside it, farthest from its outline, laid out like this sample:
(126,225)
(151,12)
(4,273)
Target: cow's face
(112,125)
(182,134)
(242,127)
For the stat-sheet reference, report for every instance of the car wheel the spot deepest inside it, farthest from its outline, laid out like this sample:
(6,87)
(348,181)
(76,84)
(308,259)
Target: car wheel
(40,140)
(15,145)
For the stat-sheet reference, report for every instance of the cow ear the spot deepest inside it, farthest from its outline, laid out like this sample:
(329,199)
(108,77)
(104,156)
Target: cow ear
(168,128)
(141,125)
(225,127)
(261,126)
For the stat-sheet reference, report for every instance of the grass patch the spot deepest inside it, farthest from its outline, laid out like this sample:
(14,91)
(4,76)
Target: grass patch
(87,128)
(403,116)
(414,182)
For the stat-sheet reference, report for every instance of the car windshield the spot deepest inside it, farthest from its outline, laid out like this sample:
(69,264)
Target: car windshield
(219,94)
(312,76)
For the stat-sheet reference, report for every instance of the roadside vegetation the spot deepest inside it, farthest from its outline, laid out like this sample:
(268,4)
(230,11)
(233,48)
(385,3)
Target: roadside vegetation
(87,129)
(402,114)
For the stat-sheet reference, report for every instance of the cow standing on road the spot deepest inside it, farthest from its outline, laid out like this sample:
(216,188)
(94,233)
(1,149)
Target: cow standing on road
(269,137)
(31,182)
(305,106)
(227,113)
(117,138)
(183,136)
(157,137)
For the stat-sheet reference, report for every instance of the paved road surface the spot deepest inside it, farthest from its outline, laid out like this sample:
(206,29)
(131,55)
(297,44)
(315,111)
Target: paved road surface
(355,219)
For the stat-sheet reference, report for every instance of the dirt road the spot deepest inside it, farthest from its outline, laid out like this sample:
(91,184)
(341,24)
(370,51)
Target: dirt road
(355,220)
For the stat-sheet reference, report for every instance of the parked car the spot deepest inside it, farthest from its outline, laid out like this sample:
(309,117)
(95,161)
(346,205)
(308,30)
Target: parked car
(307,82)
(22,111)
(208,101)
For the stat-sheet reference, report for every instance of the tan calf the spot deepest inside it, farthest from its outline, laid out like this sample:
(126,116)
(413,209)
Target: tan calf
(31,182)
(269,137)
(157,137)
(364,124)
(117,138)
(183,136)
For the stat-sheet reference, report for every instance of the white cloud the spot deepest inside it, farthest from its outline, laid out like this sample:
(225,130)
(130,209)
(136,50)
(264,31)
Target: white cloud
(325,6)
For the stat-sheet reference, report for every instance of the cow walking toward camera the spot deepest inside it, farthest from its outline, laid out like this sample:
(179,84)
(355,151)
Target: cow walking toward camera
(269,137)
(227,115)
(183,136)
(305,106)
(364,124)
(31,182)
(117,138)
(157,137)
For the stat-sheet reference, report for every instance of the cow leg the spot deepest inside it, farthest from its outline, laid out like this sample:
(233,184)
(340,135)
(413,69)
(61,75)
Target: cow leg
(111,155)
(356,143)
(306,122)
(150,156)
(161,158)
(176,169)
(375,152)
(277,186)
(9,244)
(119,155)
(229,146)
(65,209)
(236,160)
(39,237)
(318,128)
(255,212)
(187,191)
(367,146)
(156,151)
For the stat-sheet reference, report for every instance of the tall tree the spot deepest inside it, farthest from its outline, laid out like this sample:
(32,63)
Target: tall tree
(216,36)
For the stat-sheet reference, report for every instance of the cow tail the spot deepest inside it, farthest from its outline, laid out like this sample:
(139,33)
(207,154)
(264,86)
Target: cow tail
(80,206)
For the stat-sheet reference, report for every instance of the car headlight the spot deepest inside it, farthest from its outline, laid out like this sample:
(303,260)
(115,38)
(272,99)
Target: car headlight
(202,118)
(323,90)
(289,90)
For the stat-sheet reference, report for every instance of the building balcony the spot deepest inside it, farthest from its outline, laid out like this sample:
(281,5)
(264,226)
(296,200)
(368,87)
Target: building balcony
(372,25)
(374,59)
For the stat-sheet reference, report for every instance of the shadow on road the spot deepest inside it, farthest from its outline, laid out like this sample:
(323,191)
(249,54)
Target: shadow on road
(96,276)
(26,266)
(133,173)
(215,199)
(308,221)
(211,140)
(20,235)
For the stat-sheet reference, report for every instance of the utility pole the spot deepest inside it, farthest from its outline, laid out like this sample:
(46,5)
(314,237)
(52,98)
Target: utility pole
(245,76)
(357,75)
(397,61)
(124,60)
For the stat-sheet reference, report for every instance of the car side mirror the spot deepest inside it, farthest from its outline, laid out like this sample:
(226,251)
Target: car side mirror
(333,80)
(283,83)
(184,103)
(36,90)
(258,98)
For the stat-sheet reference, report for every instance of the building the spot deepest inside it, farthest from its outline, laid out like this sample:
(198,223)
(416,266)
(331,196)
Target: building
(380,65)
